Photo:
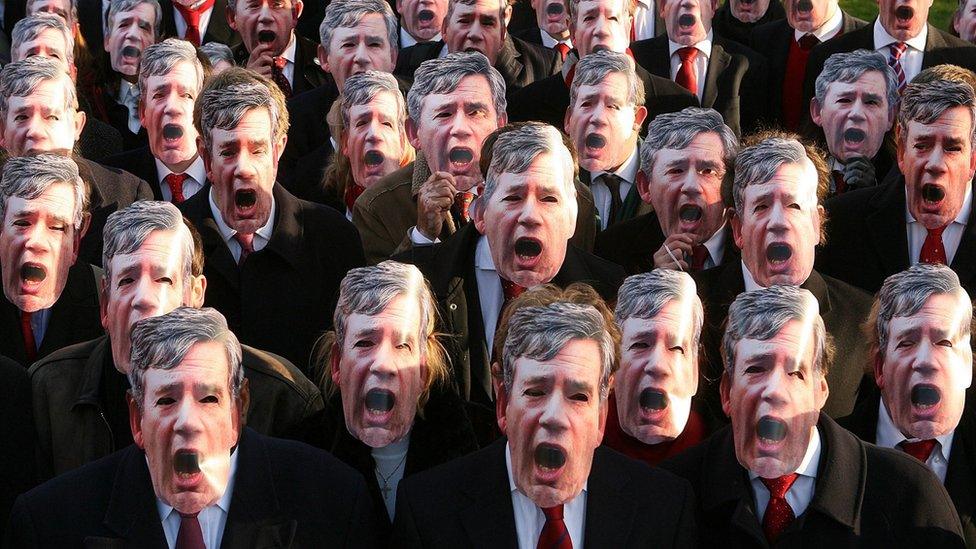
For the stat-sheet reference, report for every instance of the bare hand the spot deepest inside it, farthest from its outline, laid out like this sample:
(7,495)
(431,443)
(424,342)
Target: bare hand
(436,197)
(680,245)
(261,59)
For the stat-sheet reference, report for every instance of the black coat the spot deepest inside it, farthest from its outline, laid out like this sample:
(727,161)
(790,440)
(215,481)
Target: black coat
(467,503)
(307,128)
(727,26)
(140,163)
(735,81)
(864,496)
(110,190)
(632,244)
(867,240)
(960,476)
(218,30)
(99,140)
(940,48)
(448,429)
(773,40)
(284,295)
(307,74)
(843,308)
(17,434)
(449,268)
(75,317)
(519,62)
(286,494)
(546,100)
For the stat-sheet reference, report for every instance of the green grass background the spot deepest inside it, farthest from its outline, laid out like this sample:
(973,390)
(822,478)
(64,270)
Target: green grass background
(940,15)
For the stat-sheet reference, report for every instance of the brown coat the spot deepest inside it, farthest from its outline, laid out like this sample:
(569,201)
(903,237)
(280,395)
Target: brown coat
(385,212)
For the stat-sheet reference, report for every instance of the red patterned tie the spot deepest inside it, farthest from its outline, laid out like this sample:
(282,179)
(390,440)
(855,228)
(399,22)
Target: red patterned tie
(897,50)
(920,449)
(352,193)
(933,251)
(840,184)
(175,182)
(562,48)
(247,245)
(687,76)
(190,536)
(808,41)
(554,534)
(278,75)
(699,255)
(779,514)
(511,290)
(192,19)
(462,205)
(30,344)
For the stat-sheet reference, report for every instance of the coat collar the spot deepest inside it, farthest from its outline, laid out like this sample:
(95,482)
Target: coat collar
(131,511)
(100,357)
(489,519)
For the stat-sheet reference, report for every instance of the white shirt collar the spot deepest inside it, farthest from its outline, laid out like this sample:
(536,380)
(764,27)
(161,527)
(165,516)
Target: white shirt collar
(627,171)
(889,436)
(550,42)
(826,31)
(224,502)
(228,233)
(751,284)
(407,39)
(705,46)
(883,39)
(961,218)
(811,459)
(289,53)
(128,90)
(195,170)
(482,255)
(716,245)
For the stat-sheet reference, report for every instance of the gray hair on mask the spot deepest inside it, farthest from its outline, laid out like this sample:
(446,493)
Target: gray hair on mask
(223,108)
(162,343)
(645,295)
(28,177)
(758,164)
(762,313)
(161,58)
(348,13)
(362,88)
(30,27)
(595,67)
(118,6)
(21,79)
(847,67)
(676,130)
(217,52)
(926,102)
(127,229)
(540,332)
(905,293)
(515,150)
(443,75)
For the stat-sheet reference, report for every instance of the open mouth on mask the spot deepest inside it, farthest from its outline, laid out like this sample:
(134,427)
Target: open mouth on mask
(186,466)
(925,396)
(555,8)
(933,194)
(379,405)
(804,6)
(245,200)
(131,52)
(778,253)
(373,158)
(904,13)
(690,216)
(652,403)
(549,460)
(425,16)
(771,431)
(172,132)
(460,158)
(528,249)
(854,135)
(32,274)
(686,20)
(266,36)
(595,141)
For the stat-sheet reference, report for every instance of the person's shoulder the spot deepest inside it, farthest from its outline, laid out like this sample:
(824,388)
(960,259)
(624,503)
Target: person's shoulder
(85,487)
(301,465)
(392,183)
(64,360)
(269,366)
(769,30)
(640,476)
(854,202)
(846,295)
(440,482)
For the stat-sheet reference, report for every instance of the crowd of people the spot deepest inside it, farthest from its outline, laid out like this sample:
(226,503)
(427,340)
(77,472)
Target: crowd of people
(486,273)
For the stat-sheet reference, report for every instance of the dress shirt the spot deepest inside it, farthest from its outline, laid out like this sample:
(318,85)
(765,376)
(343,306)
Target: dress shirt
(751,284)
(529,519)
(39,320)
(212,518)
(289,54)
(828,30)
(601,193)
(701,61)
(181,24)
(197,176)
(911,60)
(407,39)
(549,42)
(261,237)
(129,98)
(888,436)
(801,493)
(644,19)
(950,237)
(491,298)
(716,248)
(444,51)
(390,461)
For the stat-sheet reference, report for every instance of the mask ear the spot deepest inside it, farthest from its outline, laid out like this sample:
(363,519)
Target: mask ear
(725,392)
(135,420)
(501,398)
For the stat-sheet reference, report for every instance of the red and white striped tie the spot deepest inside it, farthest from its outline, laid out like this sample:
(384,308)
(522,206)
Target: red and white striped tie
(894,61)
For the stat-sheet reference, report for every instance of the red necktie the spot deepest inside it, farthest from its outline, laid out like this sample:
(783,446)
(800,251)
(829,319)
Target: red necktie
(511,290)
(175,182)
(687,76)
(897,50)
(352,193)
(192,19)
(462,205)
(554,534)
(920,450)
(190,536)
(933,251)
(840,184)
(247,245)
(562,48)
(699,255)
(779,514)
(278,75)
(30,344)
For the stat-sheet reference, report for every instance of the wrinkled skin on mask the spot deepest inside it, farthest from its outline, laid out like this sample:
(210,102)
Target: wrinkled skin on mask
(603,123)
(479,27)
(809,15)
(749,12)
(552,17)
(130,34)
(422,19)
(357,49)
(166,111)
(903,19)
(854,116)
(600,24)
(688,21)
(375,141)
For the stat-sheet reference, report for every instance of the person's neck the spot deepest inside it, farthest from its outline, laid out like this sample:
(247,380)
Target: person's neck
(560,37)
(180,167)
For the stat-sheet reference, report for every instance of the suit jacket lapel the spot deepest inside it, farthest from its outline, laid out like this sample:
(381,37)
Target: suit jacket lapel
(132,512)
(218,255)
(609,507)
(717,62)
(80,292)
(490,518)
(964,262)
(960,477)
(886,225)
(724,483)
